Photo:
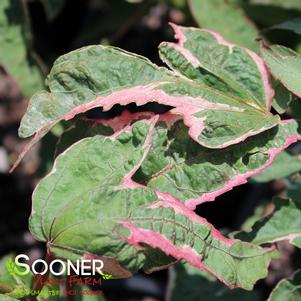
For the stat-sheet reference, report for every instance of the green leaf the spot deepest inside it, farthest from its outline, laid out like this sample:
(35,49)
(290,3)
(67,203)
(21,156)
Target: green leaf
(187,283)
(296,242)
(267,14)
(287,4)
(293,188)
(292,25)
(6,298)
(282,98)
(89,206)
(218,15)
(283,224)
(15,53)
(221,106)
(284,165)
(287,289)
(285,65)
(81,129)
(257,214)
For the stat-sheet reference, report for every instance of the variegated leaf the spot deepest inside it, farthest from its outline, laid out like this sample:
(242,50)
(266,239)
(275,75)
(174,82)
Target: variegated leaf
(194,174)
(89,206)
(221,91)
(178,165)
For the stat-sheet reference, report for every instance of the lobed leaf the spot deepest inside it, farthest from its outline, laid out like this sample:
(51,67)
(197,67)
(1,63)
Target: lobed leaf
(206,57)
(89,206)
(221,106)
(285,65)
(178,165)
(219,15)
(283,224)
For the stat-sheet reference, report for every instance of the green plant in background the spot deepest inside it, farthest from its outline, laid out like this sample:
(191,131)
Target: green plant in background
(11,267)
(15,54)
(125,189)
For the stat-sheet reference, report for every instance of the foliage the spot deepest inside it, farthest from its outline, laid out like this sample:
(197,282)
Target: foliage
(283,166)
(124,189)
(241,32)
(293,25)
(284,64)
(287,289)
(186,280)
(15,39)
(12,284)
(114,204)
(282,224)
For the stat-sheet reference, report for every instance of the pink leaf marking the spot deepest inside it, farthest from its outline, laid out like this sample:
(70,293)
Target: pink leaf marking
(119,122)
(170,119)
(127,181)
(180,208)
(242,179)
(185,106)
(179,35)
(157,240)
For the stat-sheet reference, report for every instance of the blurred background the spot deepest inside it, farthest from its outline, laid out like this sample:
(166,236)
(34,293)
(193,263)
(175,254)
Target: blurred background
(33,33)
